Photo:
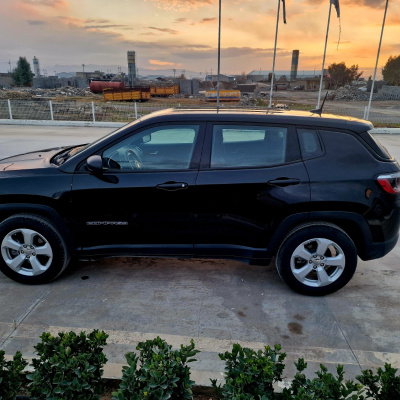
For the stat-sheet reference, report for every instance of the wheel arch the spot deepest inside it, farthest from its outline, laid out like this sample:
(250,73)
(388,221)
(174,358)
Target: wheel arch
(44,211)
(354,225)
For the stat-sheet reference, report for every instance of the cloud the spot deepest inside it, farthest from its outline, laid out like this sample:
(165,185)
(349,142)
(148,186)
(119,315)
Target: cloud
(165,30)
(107,26)
(181,5)
(367,3)
(48,3)
(158,62)
(97,21)
(206,20)
(35,22)
(181,20)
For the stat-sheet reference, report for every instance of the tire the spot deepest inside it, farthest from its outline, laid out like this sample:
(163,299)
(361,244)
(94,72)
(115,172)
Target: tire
(317,259)
(32,249)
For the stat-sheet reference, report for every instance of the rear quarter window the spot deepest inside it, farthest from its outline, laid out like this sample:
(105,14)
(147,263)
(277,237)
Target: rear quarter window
(310,143)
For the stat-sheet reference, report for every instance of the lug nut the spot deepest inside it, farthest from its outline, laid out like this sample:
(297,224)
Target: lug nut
(314,256)
(31,247)
(22,252)
(310,261)
(34,254)
(27,256)
(322,257)
(24,246)
(322,265)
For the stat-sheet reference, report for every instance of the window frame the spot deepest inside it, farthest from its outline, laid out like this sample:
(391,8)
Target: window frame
(194,161)
(205,163)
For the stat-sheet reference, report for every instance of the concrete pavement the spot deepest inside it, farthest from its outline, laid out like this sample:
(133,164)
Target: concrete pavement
(215,302)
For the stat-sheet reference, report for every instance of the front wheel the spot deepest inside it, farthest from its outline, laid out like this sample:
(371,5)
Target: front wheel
(32,249)
(317,260)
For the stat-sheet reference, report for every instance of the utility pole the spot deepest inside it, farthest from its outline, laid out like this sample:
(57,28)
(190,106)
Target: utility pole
(9,63)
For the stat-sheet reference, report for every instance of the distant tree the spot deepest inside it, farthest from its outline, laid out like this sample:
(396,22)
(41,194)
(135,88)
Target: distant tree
(241,78)
(22,75)
(391,71)
(341,75)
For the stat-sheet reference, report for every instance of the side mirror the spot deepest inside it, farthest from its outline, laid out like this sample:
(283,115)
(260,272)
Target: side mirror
(95,164)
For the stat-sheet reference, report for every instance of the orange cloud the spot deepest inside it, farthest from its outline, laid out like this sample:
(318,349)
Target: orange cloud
(181,5)
(158,62)
(48,3)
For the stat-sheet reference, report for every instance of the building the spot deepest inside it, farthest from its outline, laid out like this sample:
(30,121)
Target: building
(36,68)
(6,80)
(222,78)
(260,75)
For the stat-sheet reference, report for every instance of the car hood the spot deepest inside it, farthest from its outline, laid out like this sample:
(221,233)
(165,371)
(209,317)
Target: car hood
(32,160)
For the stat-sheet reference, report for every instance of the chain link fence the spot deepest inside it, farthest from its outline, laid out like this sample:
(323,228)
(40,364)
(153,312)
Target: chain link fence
(73,110)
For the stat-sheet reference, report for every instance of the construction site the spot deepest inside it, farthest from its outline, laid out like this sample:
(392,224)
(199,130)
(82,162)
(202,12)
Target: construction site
(121,97)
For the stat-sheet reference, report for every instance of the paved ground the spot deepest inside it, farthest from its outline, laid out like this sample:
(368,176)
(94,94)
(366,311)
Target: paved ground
(217,303)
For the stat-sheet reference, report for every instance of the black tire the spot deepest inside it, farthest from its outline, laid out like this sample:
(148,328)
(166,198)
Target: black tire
(328,272)
(32,234)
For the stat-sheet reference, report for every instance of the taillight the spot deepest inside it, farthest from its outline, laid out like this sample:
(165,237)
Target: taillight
(390,182)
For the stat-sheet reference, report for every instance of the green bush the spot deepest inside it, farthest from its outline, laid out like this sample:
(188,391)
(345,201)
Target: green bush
(69,366)
(163,372)
(385,385)
(11,375)
(250,375)
(325,387)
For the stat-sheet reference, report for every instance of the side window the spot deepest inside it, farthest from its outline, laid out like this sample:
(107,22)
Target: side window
(248,146)
(158,148)
(310,144)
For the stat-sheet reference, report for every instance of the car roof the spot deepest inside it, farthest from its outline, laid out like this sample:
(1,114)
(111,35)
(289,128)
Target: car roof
(260,115)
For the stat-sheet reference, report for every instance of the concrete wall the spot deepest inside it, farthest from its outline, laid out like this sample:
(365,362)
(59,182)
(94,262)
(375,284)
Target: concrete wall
(5,80)
(189,86)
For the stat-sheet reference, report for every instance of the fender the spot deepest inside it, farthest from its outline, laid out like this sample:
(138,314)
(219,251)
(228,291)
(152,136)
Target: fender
(352,223)
(7,210)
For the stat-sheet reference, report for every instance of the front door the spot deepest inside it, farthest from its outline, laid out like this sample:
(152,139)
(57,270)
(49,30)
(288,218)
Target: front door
(144,195)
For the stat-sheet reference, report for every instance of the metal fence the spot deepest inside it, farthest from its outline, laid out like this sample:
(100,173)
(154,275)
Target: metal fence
(73,110)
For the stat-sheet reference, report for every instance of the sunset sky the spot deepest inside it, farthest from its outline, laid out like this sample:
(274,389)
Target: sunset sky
(182,34)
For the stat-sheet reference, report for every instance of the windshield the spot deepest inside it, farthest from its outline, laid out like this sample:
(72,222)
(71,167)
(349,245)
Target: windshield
(66,154)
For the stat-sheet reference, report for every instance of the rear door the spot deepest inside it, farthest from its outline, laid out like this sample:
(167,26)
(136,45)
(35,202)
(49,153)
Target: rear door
(251,178)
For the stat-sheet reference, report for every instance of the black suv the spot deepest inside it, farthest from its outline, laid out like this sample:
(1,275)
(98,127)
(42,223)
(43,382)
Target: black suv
(312,191)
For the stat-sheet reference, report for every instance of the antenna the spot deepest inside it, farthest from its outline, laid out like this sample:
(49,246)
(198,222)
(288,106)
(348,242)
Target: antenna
(319,110)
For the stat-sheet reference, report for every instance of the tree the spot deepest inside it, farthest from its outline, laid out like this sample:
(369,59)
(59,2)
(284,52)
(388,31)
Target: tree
(391,71)
(22,75)
(341,75)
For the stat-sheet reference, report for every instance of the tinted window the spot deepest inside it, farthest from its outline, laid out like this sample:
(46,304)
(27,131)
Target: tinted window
(158,148)
(310,144)
(246,146)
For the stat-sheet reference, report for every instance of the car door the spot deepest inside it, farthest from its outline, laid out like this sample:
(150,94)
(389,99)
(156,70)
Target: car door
(143,199)
(251,178)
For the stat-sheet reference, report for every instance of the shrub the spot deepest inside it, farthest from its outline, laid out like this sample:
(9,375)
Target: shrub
(163,372)
(250,374)
(385,385)
(69,366)
(11,375)
(325,387)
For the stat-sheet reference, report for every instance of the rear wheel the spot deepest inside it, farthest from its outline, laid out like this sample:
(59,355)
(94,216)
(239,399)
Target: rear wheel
(32,249)
(317,259)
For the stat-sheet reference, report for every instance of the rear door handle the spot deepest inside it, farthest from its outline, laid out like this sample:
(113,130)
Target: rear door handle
(172,186)
(284,182)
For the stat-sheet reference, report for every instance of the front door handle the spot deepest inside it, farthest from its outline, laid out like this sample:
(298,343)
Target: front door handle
(172,186)
(284,182)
